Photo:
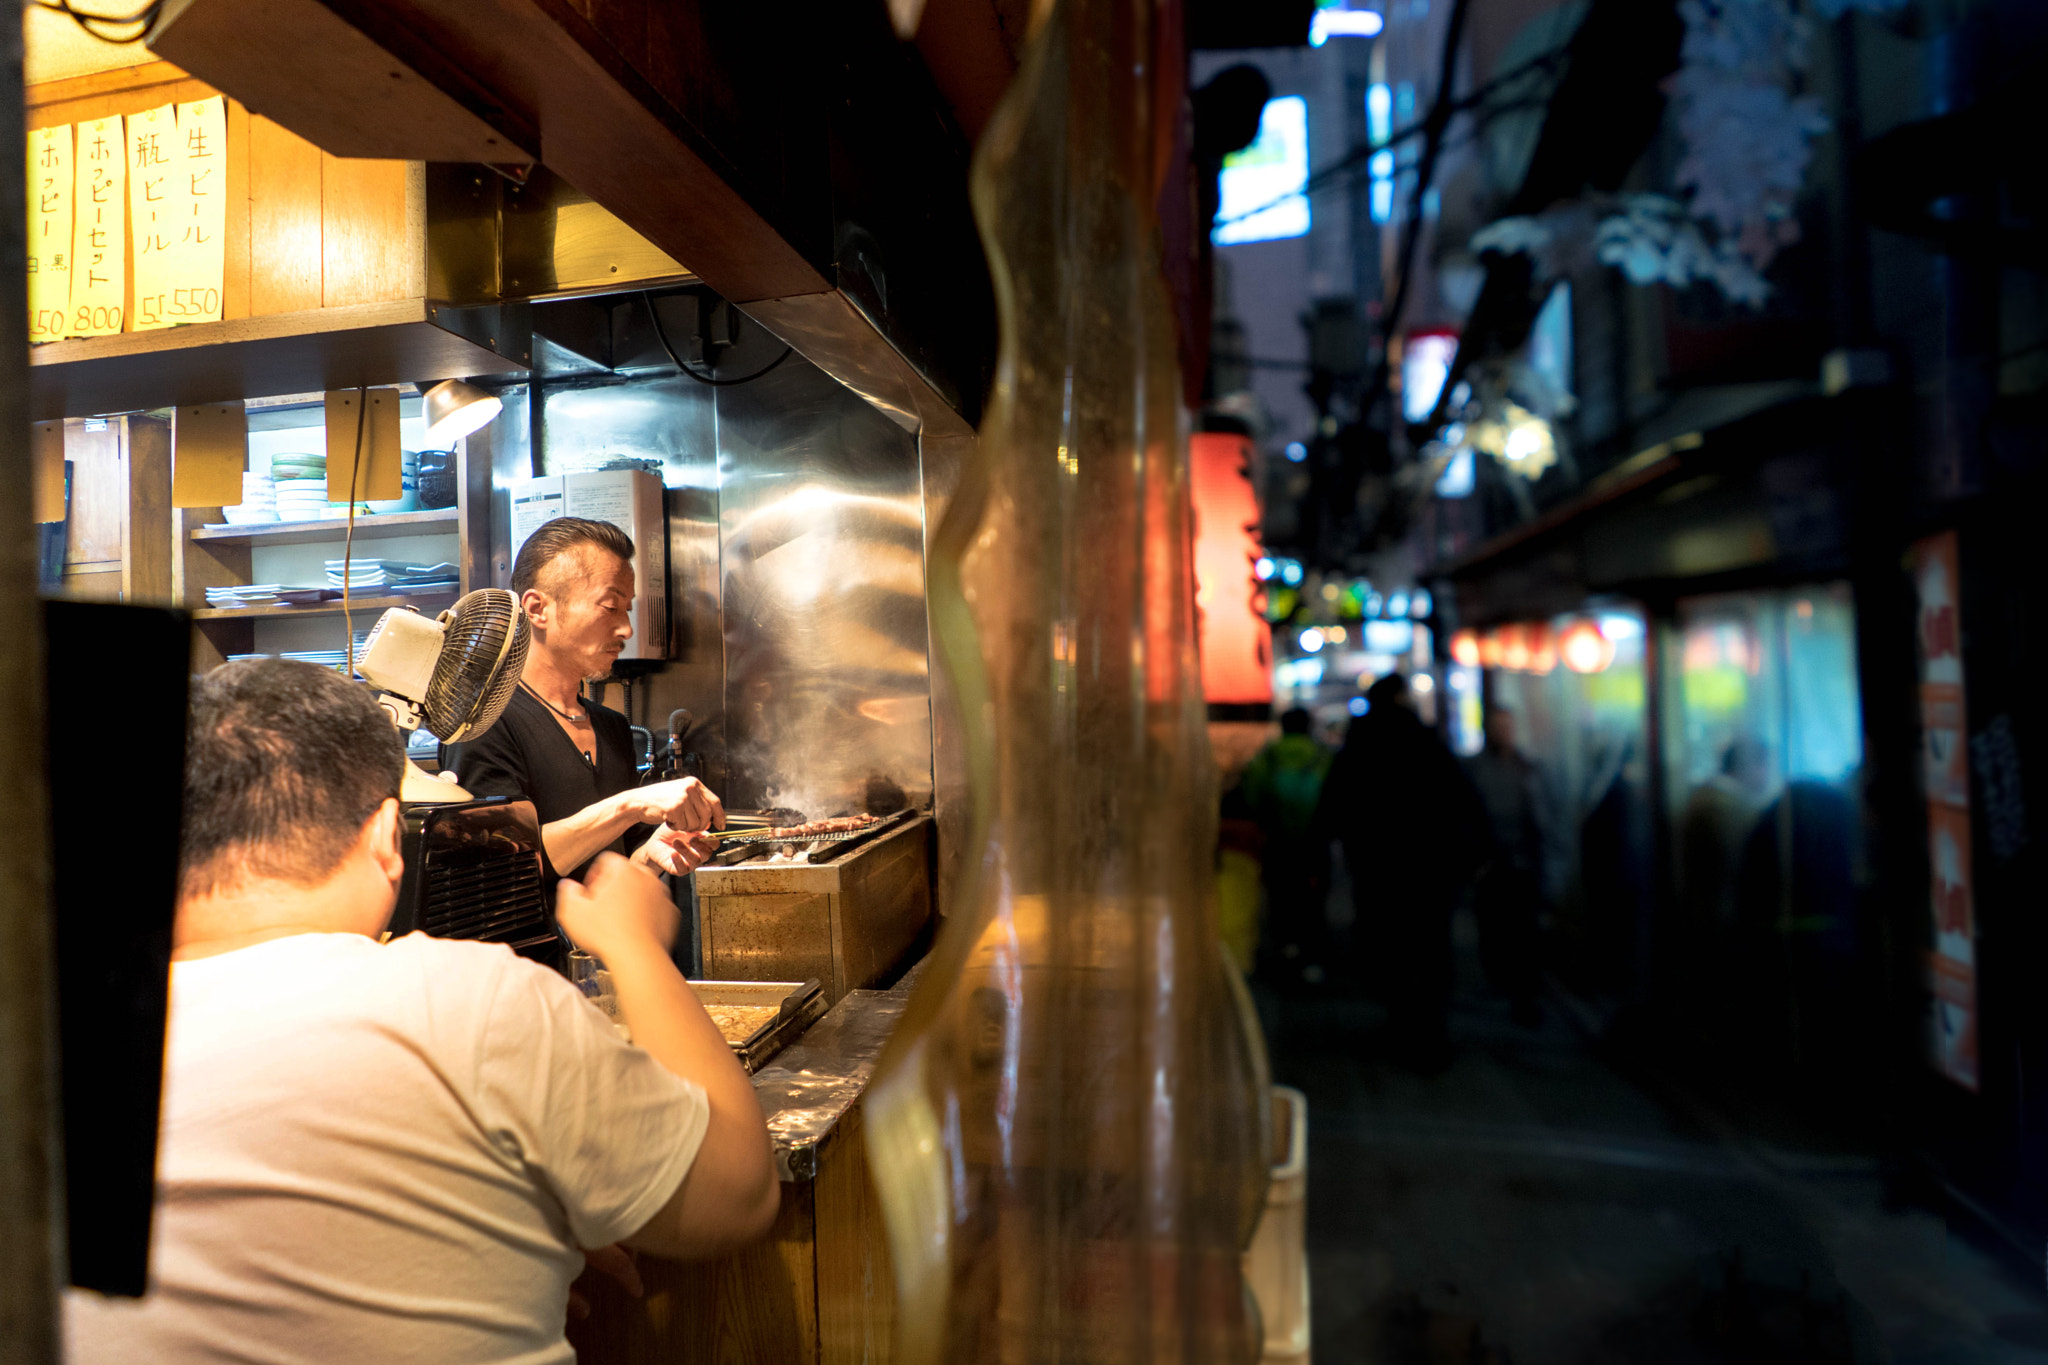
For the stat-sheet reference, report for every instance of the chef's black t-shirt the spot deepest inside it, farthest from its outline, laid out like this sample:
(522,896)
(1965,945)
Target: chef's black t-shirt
(527,756)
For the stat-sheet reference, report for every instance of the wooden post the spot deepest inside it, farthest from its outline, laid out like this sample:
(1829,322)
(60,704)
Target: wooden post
(146,572)
(30,1212)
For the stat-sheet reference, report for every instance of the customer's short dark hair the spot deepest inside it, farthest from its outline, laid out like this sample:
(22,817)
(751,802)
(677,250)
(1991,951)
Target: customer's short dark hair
(556,538)
(284,762)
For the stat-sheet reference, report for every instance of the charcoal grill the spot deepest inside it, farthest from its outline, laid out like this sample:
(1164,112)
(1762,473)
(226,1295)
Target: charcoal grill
(847,913)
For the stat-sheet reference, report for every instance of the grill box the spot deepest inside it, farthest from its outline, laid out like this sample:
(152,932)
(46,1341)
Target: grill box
(847,922)
(474,870)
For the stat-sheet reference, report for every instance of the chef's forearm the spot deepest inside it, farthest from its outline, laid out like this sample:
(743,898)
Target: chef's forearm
(574,840)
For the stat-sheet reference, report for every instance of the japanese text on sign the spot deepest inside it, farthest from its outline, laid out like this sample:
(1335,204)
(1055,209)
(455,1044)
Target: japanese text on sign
(99,242)
(127,222)
(49,186)
(178,212)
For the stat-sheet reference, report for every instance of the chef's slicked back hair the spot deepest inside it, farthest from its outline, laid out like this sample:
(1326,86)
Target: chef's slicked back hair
(560,537)
(284,761)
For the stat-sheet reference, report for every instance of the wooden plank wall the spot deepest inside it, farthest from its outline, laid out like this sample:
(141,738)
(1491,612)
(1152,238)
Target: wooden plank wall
(304,229)
(118,541)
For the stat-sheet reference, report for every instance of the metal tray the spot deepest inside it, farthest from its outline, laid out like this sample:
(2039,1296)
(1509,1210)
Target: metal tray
(799,1004)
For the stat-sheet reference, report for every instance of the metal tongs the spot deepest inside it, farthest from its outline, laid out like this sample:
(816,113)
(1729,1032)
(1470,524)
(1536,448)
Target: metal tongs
(777,836)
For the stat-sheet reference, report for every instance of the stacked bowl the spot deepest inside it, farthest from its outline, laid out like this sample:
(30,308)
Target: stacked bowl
(259,501)
(301,486)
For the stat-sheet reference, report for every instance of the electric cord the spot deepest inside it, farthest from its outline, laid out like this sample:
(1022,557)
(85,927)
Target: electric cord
(141,20)
(661,335)
(348,541)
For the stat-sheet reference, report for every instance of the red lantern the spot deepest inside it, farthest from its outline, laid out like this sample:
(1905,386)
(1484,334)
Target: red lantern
(1584,649)
(1514,648)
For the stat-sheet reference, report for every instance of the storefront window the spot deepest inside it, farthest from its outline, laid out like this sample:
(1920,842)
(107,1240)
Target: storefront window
(1763,749)
(1575,688)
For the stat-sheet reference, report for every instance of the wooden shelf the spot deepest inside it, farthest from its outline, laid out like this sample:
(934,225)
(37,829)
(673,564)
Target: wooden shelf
(438,521)
(285,611)
(311,351)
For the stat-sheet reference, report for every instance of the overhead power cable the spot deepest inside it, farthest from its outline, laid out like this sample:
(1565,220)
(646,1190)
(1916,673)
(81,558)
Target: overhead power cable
(1362,156)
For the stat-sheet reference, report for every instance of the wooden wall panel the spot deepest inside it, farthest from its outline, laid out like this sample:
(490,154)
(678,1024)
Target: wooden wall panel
(93,583)
(127,91)
(285,253)
(234,294)
(856,1284)
(120,515)
(365,225)
(99,493)
(623,24)
(147,545)
(757,1306)
(304,230)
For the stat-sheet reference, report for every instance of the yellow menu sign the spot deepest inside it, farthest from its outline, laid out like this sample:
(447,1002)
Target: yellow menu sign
(177,206)
(99,242)
(49,187)
(115,203)
(156,164)
(199,259)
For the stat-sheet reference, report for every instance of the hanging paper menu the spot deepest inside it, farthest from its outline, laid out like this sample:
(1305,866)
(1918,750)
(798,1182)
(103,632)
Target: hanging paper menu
(199,256)
(49,232)
(156,194)
(99,245)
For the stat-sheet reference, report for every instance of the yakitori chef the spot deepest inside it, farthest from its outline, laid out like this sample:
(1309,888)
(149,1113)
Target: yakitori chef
(556,747)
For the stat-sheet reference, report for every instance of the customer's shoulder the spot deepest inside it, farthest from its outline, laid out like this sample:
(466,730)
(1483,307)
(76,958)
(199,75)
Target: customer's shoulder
(457,958)
(468,976)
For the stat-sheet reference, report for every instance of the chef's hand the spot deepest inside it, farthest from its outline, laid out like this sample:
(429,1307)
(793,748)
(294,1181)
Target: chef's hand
(675,851)
(685,803)
(615,905)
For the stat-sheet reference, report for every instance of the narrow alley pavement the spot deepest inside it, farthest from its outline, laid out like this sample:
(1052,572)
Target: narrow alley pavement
(1532,1205)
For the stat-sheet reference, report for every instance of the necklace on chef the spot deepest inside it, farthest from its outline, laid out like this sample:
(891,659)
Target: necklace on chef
(583,719)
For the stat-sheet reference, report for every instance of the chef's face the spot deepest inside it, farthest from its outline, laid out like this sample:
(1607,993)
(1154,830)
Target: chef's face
(583,620)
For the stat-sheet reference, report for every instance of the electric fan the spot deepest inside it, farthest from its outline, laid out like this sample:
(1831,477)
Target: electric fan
(454,673)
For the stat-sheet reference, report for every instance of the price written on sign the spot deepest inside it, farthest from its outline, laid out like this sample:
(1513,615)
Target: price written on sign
(127,222)
(49,184)
(177,207)
(99,242)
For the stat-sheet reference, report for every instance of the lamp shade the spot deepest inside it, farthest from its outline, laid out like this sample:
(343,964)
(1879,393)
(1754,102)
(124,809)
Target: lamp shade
(455,409)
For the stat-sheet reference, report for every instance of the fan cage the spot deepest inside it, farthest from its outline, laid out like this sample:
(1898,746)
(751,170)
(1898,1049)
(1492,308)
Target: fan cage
(482,656)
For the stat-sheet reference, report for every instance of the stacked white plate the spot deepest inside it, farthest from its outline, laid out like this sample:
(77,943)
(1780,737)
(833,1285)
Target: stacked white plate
(394,575)
(244,595)
(302,499)
(259,501)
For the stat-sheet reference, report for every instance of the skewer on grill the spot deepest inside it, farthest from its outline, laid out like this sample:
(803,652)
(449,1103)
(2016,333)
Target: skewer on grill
(796,834)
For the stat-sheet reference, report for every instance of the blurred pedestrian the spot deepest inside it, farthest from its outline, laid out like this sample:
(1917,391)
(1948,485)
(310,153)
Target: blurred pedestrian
(1714,828)
(1282,787)
(1718,816)
(1508,899)
(1414,833)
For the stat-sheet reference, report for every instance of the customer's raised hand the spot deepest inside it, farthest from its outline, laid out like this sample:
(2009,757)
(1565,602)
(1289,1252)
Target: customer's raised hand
(616,906)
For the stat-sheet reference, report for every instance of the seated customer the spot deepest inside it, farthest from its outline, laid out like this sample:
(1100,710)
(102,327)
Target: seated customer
(381,1152)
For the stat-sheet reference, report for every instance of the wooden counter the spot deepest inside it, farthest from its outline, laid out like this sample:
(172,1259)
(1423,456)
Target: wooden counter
(819,1290)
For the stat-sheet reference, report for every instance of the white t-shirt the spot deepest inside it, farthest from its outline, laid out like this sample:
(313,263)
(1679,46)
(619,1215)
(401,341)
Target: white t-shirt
(387,1153)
